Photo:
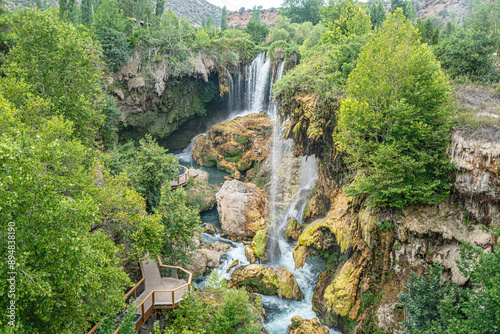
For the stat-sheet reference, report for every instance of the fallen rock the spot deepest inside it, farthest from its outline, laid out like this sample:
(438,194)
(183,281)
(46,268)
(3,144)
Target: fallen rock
(306,326)
(293,230)
(209,228)
(235,145)
(249,254)
(265,245)
(234,264)
(243,209)
(199,174)
(267,281)
(207,256)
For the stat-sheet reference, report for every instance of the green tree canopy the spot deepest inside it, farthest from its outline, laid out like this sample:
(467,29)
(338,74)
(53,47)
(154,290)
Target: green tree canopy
(302,10)
(61,65)
(394,126)
(223,20)
(343,19)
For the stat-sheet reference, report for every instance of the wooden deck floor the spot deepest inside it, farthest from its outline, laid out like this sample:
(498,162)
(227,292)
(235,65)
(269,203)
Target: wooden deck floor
(154,281)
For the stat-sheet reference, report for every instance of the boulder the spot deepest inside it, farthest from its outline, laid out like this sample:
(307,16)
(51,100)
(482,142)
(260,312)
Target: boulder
(199,174)
(267,281)
(306,326)
(234,264)
(293,230)
(209,228)
(243,209)
(265,245)
(207,256)
(235,145)
(249,254)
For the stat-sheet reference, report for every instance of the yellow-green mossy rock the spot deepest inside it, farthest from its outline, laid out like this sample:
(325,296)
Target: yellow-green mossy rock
(293,230)
(306,326)
(341,294)
(249,254)
(235,145)
(259,244)
(267,281)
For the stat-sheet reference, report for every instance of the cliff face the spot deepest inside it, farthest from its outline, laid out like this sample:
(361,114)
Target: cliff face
(155,100)
(370,255)
(241,19)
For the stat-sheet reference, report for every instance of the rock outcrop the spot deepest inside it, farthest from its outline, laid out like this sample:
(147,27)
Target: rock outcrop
(267,281)
(293,230)
(265,246)
(306,326)
(199,192)
(207,255)
(243,209)
(235,145)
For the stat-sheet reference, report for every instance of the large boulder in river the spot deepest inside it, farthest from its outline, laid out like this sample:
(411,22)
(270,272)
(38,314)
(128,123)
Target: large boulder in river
(267,281)
(207,255)
(265,245)
(243,209)
(236,145)
(306,326)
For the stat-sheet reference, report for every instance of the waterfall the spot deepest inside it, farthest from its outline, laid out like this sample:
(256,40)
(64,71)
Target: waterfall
(291,183)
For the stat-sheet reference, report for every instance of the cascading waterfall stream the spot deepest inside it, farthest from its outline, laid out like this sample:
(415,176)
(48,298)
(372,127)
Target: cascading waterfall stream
(292,181)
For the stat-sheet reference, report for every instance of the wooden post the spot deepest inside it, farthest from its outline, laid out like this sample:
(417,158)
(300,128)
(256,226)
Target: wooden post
(142,309)
(153,300)
(173,298)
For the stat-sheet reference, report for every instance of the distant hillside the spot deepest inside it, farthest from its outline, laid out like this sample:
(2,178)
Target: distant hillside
(241,19)
(195,10)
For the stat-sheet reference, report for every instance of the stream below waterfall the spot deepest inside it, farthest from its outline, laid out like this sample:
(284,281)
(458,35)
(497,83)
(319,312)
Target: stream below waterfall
(292,180)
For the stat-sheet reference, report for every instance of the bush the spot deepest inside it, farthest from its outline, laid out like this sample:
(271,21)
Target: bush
(467,53)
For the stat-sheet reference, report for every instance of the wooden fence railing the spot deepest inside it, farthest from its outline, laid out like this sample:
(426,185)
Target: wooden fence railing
(166,299)
(181,180)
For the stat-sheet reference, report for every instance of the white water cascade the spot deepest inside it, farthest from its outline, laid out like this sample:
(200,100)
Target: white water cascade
(292,181)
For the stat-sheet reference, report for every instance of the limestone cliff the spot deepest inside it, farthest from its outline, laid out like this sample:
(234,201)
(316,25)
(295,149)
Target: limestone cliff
(370,254)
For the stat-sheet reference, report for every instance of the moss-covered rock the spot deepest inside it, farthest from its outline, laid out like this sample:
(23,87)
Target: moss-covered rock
(249,254)
(235,145)
(267,281)
(339,294)
(293,230)
(306,326)
(265,245)
(199,193)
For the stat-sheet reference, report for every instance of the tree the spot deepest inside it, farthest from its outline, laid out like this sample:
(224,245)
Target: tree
(223,20)
(377,13)
(302,10)
(115,47)
(257,31)
(467,53)
(346,19)
(61,65)
(160,8)
(67,10)
(87,8)
(395,124)
(255,15)
(151,168)
(180,223)
(69,273)
(405,5)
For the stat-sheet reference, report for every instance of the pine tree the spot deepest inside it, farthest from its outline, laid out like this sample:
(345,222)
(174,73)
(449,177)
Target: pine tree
(87,12)
(39,4)
(255,15)
(223,20)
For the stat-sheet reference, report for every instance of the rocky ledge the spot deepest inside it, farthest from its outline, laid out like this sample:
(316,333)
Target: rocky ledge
(236,145)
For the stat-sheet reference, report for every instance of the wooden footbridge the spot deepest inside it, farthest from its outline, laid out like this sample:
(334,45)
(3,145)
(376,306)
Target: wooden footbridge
(161,287)
(181,180)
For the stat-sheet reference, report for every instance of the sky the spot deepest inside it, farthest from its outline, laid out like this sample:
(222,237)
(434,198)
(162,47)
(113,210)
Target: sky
(248,4)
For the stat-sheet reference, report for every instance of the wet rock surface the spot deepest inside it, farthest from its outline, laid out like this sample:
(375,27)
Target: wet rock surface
(243,209)
(306,326)
(267,281)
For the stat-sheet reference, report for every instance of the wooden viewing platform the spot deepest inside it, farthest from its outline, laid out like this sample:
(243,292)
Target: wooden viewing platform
(161,287)
(181,180)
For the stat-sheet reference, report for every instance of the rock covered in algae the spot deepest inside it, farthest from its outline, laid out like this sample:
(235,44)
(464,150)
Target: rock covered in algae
(306,326)
(249,254)
(243,209)
(341,293)
(293,230)
(265,245)
(235,145)
(267,281)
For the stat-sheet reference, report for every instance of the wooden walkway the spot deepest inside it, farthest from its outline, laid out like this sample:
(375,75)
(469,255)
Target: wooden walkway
(181,180)
(161,287)
(154,281)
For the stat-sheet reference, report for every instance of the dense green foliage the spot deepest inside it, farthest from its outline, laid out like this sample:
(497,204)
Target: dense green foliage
(300,11)
(394,125)
(61,65)
(217,310)
(437,307)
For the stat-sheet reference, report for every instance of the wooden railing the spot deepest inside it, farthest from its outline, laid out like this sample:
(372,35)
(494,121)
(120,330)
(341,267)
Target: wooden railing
(148,304)
(181,180)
